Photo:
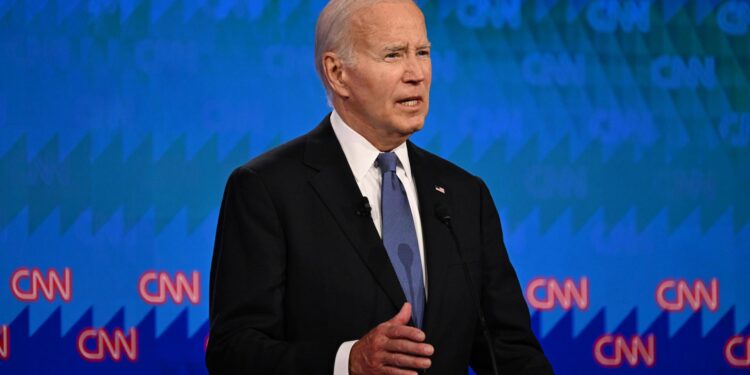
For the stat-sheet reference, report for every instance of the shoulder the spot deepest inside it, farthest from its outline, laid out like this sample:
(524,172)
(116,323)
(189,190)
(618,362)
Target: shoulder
(277,164)
(283,163)
(278,159)
(266,173)
(443,169)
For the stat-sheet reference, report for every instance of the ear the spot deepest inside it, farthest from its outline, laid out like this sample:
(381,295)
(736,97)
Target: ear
(335,75)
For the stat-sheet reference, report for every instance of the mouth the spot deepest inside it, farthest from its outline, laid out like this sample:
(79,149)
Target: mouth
(410,102)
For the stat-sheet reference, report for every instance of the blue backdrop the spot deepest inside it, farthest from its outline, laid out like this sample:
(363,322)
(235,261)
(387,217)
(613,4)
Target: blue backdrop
(614,136)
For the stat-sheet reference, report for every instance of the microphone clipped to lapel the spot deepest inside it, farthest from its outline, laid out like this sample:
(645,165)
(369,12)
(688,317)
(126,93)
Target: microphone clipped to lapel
(363,208)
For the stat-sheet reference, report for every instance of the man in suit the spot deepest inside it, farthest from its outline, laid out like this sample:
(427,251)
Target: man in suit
(350,249)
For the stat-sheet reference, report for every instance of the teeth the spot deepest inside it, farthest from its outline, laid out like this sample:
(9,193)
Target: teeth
(410,103)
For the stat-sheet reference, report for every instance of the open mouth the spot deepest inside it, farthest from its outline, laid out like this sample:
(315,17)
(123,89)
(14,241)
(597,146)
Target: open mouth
(410,102)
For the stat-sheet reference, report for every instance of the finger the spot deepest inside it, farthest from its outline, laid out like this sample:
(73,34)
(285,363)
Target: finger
(403,316)
(405,361)
(405,332)
(389,370)
(409,347)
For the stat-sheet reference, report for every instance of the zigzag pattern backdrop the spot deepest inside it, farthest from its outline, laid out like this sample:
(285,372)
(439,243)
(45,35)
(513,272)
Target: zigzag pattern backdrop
(615,136)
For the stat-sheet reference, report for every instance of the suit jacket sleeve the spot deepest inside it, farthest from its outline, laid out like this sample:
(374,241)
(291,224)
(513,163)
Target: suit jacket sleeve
(516,348)
(247,285)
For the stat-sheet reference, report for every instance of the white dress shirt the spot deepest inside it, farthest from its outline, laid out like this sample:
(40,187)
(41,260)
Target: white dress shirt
(361,156)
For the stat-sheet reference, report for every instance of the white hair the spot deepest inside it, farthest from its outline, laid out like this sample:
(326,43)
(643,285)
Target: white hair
(333,33)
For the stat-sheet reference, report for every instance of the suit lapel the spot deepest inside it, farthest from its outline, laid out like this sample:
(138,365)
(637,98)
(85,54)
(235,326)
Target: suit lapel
(436,236)
(337,188)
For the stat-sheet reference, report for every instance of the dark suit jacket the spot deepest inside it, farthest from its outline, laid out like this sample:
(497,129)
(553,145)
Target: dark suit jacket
(296,271)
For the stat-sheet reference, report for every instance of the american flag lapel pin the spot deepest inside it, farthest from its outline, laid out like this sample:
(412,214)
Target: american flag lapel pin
(440,189)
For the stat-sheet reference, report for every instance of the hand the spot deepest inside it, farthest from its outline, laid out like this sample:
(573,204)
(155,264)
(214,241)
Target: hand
(392,348)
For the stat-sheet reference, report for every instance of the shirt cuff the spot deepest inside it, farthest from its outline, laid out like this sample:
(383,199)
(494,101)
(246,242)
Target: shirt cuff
(341,365)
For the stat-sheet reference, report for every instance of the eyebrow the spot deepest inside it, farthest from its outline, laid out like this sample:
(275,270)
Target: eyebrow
(402,47)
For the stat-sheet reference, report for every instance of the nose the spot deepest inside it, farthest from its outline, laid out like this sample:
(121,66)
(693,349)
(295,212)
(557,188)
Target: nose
(414,70)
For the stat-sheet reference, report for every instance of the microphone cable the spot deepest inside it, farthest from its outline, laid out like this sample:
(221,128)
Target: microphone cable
(443,214)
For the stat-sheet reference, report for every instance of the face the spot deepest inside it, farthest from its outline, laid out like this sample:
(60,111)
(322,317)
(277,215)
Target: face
(387,88)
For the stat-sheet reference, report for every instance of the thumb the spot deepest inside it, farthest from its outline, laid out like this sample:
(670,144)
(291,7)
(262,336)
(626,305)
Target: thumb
(404,315)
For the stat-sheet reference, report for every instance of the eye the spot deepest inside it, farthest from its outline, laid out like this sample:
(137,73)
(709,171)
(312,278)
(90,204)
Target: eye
(392,55)
(423,53)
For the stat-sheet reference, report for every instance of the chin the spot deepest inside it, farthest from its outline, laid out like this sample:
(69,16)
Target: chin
(411,127)
(417,124)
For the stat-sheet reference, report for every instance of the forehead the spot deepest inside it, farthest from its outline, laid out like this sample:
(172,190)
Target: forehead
(389,22)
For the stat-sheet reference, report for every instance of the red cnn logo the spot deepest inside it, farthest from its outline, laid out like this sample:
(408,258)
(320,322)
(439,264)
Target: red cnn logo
(729,351)
(49,284)
(695,297)
(113,345)
(554,293)
(177,288)
(4,342)
(633,352)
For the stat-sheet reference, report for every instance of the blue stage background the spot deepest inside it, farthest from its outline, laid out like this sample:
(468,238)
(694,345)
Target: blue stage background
(614,136)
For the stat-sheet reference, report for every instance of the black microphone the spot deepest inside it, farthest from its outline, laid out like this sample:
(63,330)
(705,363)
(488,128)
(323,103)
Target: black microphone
(443,213)
(363,209)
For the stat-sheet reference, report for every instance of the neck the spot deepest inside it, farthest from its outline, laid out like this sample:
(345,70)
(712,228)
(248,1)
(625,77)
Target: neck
(379,138)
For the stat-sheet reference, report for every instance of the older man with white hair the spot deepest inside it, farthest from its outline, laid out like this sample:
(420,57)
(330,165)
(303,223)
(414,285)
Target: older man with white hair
(350,250)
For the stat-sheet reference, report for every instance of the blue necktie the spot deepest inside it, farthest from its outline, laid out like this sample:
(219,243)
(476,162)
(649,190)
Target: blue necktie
(400,237)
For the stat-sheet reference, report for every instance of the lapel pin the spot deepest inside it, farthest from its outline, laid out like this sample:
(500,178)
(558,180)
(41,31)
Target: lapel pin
(440,189)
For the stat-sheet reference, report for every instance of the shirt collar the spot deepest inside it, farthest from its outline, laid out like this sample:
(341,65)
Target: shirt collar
(359,152)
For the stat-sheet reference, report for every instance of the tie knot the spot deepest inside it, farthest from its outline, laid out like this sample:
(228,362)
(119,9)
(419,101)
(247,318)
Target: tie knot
(387,162)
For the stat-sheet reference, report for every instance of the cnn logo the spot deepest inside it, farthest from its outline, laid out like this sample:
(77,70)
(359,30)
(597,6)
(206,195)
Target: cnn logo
(50,284)
(154,287)
(4,342)
(731,350)
(546,293)
(675,295)
(94,345)
(615,350)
